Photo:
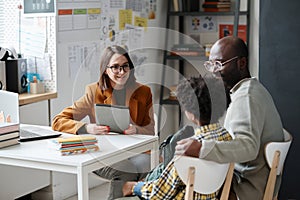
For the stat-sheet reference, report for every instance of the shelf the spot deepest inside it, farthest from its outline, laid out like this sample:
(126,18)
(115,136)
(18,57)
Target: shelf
(174,57)
(169,101)
(202,13)
(179,62)
(27,98)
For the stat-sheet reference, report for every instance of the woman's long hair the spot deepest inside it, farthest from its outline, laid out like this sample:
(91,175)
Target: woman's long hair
(104,81)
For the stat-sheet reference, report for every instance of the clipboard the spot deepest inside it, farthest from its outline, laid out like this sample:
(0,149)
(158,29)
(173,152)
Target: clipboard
(115,116)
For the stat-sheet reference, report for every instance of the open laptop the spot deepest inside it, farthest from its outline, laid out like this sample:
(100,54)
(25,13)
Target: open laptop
(9,105)
(34,132)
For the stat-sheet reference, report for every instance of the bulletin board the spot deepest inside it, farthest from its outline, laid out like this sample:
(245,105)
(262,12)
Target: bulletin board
(22,32)
(87,27)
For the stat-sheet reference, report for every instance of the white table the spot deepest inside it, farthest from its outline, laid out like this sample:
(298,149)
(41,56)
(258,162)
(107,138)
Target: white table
(113,148)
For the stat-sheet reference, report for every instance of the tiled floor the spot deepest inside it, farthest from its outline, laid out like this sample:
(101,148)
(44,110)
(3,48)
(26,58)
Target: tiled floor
(97,193)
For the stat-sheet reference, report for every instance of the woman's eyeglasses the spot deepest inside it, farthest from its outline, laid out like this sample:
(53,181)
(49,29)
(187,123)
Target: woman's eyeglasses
(117,68)
(212,66)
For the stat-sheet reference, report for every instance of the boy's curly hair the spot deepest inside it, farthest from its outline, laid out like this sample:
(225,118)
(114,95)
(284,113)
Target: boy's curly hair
(204,97)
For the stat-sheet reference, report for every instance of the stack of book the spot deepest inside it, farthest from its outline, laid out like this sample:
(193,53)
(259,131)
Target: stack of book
(9,134)
(216,5)
(76,144)
(187,50)
(186,5)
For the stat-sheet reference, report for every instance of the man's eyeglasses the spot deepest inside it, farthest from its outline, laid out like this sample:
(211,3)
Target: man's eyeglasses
(212,66)
(117,68)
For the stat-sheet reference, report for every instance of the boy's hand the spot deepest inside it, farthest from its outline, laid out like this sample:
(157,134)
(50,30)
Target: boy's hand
(188,147)
(128,187)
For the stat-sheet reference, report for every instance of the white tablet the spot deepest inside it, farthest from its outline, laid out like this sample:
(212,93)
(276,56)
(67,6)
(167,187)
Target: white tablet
(115,116)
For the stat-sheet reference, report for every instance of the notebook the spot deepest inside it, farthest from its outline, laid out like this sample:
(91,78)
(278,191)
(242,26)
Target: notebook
(9,105)
(115,116)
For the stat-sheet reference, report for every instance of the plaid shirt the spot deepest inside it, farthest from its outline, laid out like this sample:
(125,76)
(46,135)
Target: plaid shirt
(169,185)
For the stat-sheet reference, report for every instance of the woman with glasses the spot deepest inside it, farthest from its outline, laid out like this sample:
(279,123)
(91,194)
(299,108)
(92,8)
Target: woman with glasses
(117,86)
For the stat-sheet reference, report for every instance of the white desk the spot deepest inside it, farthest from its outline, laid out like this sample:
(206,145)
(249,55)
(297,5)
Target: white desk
(113,148)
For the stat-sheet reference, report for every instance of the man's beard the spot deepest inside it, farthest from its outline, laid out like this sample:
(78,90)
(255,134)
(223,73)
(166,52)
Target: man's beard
(228,99)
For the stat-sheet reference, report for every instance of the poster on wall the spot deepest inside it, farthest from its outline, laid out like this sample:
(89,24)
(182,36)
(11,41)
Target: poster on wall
(38,8)
(202,24)
(227,29)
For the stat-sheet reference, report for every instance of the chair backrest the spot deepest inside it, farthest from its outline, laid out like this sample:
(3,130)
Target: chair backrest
(282,147)
(209,175)
(275,153)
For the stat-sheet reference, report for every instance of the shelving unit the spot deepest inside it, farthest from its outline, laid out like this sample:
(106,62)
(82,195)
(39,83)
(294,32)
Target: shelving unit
(235,13)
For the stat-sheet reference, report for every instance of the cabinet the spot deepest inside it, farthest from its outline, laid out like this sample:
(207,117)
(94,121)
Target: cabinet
(176,36)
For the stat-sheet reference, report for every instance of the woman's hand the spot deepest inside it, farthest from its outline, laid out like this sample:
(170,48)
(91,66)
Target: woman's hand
(97,130)
(188,147)
(131,130)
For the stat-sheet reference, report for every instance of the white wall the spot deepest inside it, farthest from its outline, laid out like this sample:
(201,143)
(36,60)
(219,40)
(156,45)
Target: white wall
(254,38)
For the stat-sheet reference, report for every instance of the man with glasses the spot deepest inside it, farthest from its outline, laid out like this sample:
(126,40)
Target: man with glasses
(252,118)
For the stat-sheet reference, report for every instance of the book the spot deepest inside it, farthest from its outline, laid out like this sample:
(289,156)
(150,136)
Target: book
(216,5)
(10,135)
(175,5)
(185,53)
(217,9)
(187,50)
(115,116)
(75,145)
(217,1)
(76,138)
(192,5)
(6,127)
(227,29)
(187,46)
(180,5)
(9,142)
(79,151)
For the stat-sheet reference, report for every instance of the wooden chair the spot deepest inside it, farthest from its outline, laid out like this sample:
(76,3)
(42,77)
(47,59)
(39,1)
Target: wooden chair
(275,153)
(204,176)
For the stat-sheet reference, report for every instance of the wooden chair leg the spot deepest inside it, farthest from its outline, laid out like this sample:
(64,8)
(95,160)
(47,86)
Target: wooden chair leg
(227,184)
(269,191)
(190,184)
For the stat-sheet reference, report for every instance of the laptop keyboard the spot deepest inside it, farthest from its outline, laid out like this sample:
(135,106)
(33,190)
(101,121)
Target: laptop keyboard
(26,133)
(36,133)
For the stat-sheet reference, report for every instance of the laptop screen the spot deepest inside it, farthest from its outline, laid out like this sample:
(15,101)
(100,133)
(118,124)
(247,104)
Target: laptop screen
(9,106)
